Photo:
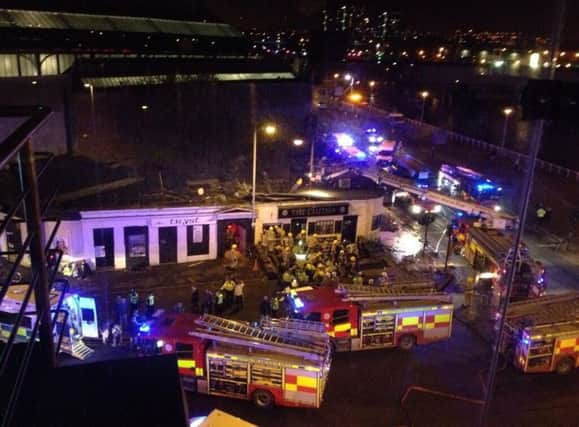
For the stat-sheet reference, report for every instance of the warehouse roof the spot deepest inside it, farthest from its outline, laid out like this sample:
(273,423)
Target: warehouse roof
(28,19)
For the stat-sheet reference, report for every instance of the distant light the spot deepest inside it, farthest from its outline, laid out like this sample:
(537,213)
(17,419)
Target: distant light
(534,60)
(373,148)
(270,129)
(145,328)
(379,138)
(568,65)
(546,64)
(144,107)
(200,191)
(372,138)
(160,343)
(424,94)
(34,82)
(298,142)
(487,275)
(436,209)
(86,85)
(355,97)
(457,81)
(508,111)
(499,63)
(348,77)
(497,208)
(372,83)
(336,76)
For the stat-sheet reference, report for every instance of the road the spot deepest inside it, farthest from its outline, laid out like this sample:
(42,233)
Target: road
(562,267)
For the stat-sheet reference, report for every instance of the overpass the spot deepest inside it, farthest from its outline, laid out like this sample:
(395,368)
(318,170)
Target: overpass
(497,219)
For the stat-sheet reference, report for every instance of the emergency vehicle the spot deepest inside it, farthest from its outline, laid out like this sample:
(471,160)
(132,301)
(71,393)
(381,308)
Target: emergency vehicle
(490,252)
(458,180)
(76,318)
(543,334)
(406,166)
(363,317)
(267,365)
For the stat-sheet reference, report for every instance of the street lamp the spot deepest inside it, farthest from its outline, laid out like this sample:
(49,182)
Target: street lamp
(507,112)
(92,109)
(298,142)
(372,83)
(424,94)
(269,130)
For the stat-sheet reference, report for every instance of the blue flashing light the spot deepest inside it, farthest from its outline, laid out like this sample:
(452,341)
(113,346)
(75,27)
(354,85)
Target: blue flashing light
(460,214)
(500,189)
(372,138)
(145,328)
(485,186)
(526,341)
(344,140)
(361,155)
(298,303)
(337,150)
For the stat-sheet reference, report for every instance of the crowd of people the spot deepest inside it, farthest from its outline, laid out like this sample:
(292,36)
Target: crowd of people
(312,260)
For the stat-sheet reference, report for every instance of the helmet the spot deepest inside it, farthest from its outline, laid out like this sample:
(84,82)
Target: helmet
(270,228)
(352,258)
(290,235)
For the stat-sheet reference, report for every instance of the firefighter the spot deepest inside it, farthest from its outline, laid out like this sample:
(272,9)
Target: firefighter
(238,294)
(468,291)
(265,308)
(228,287)
(117,334)
(541,213)
(194,300)
(287,277)
(359,279)
(274,306)
(207,307)
(134,300)
(150,305)
(352,266)
(219,302)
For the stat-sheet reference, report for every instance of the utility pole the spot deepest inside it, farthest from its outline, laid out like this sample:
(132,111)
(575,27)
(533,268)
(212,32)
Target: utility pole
(528,186)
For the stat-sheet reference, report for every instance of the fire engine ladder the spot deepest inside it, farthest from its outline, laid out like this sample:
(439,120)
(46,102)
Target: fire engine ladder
(293,326)
(548,309)
(233,332)
(366,293)
(444,199)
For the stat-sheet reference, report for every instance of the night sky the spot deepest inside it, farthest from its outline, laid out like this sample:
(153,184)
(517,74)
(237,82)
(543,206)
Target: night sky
(531,16)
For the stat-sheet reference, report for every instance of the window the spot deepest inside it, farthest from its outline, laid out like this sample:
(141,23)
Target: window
(340,316)
(314,317)
(345,183)
(184,350)
(87,315)
(376,222)
(322,227)
(197,239)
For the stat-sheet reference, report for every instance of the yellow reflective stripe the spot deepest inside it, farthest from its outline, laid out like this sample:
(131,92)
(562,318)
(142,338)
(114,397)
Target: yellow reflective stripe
(567,343)
(332,333)
(307,382)
(291,387)
(354,332)
(342,327)
(406,321)
(429,326)
(187,364)
(199,372)
(21,332)
(5,334)
(442,318)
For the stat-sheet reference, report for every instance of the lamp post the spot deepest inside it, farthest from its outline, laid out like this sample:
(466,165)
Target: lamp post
(424,94)
(372,83)
(92,109)
(269,130)
(507,112)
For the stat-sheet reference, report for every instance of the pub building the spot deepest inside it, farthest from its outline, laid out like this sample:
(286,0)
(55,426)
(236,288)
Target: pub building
(133,238)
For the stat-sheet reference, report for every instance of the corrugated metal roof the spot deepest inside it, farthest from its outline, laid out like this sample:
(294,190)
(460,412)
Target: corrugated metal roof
(122,81)
(85,22)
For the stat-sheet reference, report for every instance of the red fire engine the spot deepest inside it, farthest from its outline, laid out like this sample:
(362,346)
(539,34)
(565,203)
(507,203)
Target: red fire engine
(490,252)
(543,335)
(362,317)
(271,366)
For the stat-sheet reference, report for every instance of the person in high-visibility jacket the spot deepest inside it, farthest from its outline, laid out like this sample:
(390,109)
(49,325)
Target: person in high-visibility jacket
(274,306)
(150,303)
(134,300)
(358,279)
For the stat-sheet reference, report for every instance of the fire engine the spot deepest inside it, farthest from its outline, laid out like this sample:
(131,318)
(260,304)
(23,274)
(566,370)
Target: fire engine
(74,318)
(273,365)
(490,252)
(543,335)
(363,317)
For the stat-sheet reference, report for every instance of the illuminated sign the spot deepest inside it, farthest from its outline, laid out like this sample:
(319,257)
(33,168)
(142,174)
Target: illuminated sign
(174,222)
(308,211)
